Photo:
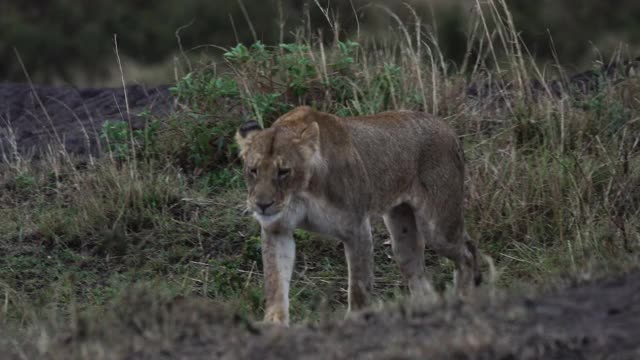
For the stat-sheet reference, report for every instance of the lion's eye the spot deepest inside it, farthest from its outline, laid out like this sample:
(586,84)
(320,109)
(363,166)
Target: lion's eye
(253,171)
(282,173)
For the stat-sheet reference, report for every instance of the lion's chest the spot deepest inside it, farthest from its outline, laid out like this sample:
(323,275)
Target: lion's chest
(325,218)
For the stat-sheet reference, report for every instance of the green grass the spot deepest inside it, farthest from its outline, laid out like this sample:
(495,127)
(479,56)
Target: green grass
(553,187)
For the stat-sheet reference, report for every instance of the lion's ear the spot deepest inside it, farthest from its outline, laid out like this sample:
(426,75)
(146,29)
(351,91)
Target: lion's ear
(245,133)
(310,138)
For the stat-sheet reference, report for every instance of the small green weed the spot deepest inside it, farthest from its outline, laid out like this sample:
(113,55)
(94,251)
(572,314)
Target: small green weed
(125,143)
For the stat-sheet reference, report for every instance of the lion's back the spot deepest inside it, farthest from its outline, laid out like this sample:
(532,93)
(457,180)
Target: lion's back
(401,149)
(394,138)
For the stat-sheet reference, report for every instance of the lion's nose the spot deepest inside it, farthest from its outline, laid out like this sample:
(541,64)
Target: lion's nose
(264,205)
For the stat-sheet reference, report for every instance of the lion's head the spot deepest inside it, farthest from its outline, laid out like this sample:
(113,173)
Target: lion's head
(278,163)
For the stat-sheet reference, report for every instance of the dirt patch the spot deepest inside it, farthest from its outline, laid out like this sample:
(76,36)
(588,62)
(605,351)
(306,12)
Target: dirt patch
(594,320)
(31,119)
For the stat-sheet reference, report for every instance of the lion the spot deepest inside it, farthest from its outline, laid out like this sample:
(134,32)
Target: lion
(326,174)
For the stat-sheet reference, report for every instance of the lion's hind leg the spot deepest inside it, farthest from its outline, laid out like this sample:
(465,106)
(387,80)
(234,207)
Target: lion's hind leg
(444,233)
(408,249)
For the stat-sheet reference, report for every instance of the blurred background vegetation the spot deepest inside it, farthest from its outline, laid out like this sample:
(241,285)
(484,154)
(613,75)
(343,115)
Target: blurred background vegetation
(73,40)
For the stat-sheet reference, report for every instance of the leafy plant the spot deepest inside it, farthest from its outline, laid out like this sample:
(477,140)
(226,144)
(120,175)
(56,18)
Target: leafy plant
(123,142)
(201,90)
(238,54)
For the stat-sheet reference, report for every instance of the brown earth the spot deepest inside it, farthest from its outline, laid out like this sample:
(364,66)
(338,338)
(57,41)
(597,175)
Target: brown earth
(598,319)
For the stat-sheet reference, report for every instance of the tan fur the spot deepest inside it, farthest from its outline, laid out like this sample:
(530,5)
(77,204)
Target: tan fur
(329,175)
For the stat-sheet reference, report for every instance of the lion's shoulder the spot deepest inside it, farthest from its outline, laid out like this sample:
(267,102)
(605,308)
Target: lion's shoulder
(297,116)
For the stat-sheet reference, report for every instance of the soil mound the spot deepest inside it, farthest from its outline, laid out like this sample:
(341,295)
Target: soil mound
(599,319)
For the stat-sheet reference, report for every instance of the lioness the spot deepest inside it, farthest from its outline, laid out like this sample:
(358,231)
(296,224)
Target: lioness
(326,174)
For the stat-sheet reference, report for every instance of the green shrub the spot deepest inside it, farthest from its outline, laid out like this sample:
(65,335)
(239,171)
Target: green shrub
(125,143)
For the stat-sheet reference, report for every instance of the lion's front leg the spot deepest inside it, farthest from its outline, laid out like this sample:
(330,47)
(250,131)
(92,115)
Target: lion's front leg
(278,256)
(358,249)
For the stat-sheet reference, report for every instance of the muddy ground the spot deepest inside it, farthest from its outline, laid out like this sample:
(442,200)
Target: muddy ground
(598,319)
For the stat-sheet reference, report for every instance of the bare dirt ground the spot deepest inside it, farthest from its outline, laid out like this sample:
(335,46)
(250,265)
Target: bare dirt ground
(31,118)
(598,319)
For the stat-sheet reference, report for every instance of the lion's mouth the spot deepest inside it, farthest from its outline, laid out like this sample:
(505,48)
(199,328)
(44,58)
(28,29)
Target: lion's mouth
(266,218)
(269,212)
(266,213)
